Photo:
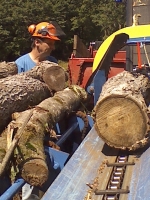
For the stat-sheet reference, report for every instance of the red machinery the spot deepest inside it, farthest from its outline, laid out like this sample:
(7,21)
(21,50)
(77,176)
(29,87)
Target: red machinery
(81,61)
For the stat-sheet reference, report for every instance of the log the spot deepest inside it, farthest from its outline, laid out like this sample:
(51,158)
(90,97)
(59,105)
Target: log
(13,144)
(8,69)
(50,73)
(31,160)
(19,92)
(121,112)
(46,71)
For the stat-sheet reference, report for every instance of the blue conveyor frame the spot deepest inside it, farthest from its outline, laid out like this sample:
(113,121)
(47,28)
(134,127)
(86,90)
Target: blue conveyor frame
(82,168)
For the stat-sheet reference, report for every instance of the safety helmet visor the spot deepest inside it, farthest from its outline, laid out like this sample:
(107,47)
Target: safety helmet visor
(59,31)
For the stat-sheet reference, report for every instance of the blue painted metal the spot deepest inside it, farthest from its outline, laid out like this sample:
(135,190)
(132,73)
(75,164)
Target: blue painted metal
(5,183)
(80,127)
(83,166)
(96,86)
(90,88)
(99,80)
(56,161)
(59,157)
(138,40)
(13,190)
(140,180)
(67,133)
(80,123)
(91,122)
(55,165)
(58,129)
(80,169)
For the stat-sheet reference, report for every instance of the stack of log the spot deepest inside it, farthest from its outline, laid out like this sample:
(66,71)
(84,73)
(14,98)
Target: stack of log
(8,69)
(122,111)
(31,104)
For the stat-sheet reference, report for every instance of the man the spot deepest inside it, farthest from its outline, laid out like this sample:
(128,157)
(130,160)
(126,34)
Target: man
(44,35)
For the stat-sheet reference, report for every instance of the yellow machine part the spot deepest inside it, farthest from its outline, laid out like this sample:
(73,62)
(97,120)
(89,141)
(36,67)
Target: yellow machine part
(132,31)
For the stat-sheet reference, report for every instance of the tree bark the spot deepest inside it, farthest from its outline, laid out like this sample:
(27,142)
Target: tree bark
(50,73)
(13,143)
(32,161)
(121,112)
(7,69)
(20,91)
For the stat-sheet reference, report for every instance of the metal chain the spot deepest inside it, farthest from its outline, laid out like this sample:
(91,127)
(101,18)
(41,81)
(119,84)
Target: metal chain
(113,189)
(79,81)
(70,77)
(116,178)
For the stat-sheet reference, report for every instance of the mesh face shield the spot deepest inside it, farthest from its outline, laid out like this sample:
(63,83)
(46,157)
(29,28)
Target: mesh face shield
(59,31)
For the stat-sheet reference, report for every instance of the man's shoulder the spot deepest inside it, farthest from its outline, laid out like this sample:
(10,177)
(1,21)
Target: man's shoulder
(24,63)
(21,58)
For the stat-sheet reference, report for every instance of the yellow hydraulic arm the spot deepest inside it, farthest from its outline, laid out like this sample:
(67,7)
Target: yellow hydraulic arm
(131,31)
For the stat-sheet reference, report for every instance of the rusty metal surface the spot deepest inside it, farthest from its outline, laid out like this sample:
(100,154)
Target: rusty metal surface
(80,169)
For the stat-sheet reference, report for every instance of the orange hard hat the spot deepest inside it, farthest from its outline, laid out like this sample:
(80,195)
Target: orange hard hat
(44,30)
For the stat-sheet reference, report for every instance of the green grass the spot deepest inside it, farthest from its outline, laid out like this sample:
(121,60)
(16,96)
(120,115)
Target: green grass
(63,64)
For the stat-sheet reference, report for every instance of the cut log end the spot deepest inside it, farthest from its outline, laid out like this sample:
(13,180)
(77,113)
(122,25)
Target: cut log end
(55,78)
(121,122)
(35,175)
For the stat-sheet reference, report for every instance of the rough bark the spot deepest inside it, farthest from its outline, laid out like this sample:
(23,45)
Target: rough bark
(20,91)
(121,113)
(50,73)
(46,71)
(7,69)
(12,143)
(32,161)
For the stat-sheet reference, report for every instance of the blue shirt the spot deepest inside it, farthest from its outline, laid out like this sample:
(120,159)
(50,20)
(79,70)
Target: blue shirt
(25,63)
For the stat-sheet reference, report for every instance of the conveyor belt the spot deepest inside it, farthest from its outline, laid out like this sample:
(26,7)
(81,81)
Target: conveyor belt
(111,175)
(88,167)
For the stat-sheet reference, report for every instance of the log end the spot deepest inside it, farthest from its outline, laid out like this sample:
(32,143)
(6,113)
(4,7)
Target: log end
(121,123)
(55,78)
(35,172)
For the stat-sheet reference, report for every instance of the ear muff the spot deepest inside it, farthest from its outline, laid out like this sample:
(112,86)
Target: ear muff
(32,28)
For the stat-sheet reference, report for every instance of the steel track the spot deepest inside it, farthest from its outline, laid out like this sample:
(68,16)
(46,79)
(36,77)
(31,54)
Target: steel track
(113,177)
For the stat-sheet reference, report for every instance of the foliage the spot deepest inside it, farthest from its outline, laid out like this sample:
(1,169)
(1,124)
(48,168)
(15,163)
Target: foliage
(63,64)
(90,19)
(112,17)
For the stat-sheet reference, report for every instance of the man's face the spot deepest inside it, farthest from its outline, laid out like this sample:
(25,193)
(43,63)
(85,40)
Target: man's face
(45,46)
